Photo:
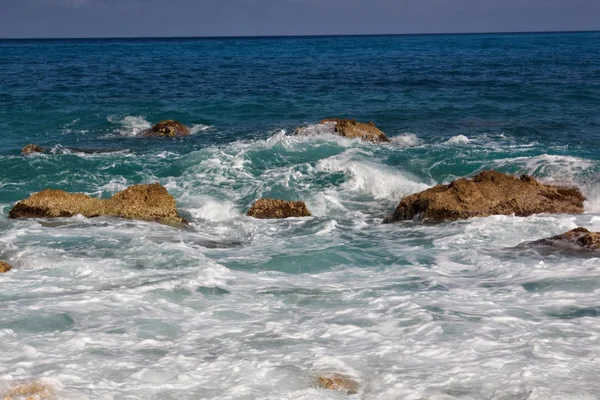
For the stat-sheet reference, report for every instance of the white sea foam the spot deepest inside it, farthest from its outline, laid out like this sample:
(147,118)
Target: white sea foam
(379,181)
(549,166)
(130,125)
(328,229)
(406,140)
(213,210)
(199,128)
(458,140)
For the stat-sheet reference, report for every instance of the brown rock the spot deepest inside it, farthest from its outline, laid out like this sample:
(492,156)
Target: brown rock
(31,148)
(338,382)
(167,128)
(144,202)
(270,209)
(4,267)
(30,391)
(346,127)
(578,237)
(488,193)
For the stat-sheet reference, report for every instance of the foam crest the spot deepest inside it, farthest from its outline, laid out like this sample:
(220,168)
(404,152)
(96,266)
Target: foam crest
(458,140)
(553,168)
(130,125)
(196,128)
(406,140)
(377,180)
(294,141)
(212,209)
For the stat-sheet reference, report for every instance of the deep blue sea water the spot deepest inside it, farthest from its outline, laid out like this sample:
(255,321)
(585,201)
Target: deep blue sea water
(237,308)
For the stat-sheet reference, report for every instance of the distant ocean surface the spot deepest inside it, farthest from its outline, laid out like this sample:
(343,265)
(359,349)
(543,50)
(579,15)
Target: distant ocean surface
(239,308)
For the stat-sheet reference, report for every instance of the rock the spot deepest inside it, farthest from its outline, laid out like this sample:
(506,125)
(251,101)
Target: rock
(31,148)
(4,267)
(345,127)
(167,128)
(144,202)
(488,193)
(338,382)
(270,209)
(578,238)
(30,391)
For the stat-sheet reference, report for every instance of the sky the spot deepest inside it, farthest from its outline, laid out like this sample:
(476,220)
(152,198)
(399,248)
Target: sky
(162,18)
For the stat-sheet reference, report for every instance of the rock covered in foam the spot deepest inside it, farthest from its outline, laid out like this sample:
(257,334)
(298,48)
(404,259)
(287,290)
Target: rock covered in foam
(579,238)
(488,193)
(31,148)
(167,128)
(345,127)
(273,208)
(143,202)
(4,267)
(30,391)
(338,382)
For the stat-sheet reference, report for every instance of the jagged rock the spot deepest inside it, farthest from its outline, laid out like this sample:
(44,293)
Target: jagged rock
(31,148)
(338,382)
(271,209)
(578,238)
(144,202)
(345,127)
(488,193)
(167,128)
(30,391)
(4,267)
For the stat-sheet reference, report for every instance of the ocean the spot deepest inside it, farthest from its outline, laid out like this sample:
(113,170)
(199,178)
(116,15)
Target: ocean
(233,307)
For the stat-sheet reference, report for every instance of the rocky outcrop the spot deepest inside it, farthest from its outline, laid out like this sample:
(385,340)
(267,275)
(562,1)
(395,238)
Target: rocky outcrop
(345,127)
(144,202)
(488,193)
(338,382)
(4,267)
(272,209)
(576,239)
(167,128)
(31,148)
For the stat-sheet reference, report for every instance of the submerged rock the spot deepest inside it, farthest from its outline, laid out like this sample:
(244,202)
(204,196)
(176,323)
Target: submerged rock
(338,382)
(345,127)
(488,193)
(30,391)
(4,267)
(271,209)
(167,128)
(31,148)
(143,202)
(578,238)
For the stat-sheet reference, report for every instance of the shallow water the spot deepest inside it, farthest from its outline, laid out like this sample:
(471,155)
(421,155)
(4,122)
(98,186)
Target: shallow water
(238,308)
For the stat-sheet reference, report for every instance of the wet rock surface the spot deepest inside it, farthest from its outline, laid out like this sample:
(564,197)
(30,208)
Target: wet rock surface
(167,128)
(149,202)
(4,267)
(345,127)
(488,193)
(31,149)
(274,208)
(338,382)
(576,240)
(30,391)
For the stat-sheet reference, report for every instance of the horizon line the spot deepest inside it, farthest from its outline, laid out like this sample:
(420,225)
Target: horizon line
(299,35)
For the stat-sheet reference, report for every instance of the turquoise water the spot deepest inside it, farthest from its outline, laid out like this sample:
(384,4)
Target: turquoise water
(237,308)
